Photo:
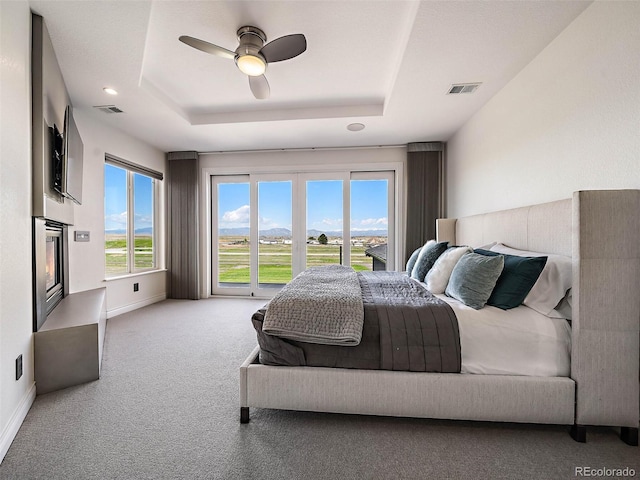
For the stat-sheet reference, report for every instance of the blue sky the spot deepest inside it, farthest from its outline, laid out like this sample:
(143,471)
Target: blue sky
(324,205)
(115,205)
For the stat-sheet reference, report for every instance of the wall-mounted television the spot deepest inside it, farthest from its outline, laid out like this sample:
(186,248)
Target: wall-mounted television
(67,159)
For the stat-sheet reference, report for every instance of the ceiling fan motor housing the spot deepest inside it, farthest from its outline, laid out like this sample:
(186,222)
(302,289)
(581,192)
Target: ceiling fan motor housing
(251,40)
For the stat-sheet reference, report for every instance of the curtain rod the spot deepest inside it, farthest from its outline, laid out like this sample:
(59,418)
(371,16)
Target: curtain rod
(307,149)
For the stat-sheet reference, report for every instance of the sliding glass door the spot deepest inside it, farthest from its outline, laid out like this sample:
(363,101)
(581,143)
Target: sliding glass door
(275,238)
(324,225)
(231,225)
(268,228)
(372,219)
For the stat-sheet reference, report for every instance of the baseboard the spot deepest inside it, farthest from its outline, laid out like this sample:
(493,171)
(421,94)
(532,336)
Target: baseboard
(11,430)
(134,306)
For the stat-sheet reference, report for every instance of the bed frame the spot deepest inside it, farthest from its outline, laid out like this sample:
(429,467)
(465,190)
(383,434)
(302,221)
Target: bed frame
(600,230)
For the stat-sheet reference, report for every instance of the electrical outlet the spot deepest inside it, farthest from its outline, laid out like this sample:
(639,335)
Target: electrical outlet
(18,367)
(135,287)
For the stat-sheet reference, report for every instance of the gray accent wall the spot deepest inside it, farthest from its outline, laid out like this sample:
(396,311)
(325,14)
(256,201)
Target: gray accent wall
(48,103)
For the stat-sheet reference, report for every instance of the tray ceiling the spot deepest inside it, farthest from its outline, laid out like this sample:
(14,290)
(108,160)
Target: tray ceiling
(386,64)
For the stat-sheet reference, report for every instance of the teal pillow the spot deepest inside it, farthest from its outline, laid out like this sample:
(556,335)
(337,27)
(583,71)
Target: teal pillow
(412,260)
(426,258)
(516,280)
(473,279)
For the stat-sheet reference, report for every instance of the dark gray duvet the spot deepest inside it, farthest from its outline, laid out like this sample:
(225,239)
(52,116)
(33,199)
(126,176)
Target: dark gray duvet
(405,328)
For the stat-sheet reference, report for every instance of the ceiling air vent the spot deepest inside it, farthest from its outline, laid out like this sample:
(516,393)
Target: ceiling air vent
(108,108)
(463,88)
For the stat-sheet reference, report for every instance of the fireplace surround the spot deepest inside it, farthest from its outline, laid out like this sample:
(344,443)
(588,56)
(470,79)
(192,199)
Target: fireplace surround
(69,328)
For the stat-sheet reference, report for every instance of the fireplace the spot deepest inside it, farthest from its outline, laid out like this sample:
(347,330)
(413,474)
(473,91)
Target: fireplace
(54,284)
(50,267)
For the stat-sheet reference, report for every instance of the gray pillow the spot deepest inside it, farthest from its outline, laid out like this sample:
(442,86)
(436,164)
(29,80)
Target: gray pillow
(473,279)
(427,257)
(412,260)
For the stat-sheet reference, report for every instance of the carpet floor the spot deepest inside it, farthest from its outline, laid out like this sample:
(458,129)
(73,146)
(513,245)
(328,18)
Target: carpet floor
(167,407)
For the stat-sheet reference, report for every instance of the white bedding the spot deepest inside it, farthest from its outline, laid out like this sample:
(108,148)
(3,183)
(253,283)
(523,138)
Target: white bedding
(519,341)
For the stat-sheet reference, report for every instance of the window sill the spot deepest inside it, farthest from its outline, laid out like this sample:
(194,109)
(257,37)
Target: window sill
(136,274)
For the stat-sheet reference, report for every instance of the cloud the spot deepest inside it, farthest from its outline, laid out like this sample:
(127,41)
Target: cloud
(116,220)
(371,222)
(237,216)
(142,221)
(332,222)
(265,223)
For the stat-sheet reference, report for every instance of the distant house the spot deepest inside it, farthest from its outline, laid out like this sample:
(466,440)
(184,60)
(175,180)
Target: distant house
(379,255)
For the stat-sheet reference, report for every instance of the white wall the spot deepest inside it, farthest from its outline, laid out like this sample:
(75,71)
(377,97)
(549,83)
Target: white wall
(569,121)
(16,316)
(321,158)
(86,260)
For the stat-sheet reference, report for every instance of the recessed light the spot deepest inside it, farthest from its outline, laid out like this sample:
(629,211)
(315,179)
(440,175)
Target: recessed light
(355,127)
(110,91)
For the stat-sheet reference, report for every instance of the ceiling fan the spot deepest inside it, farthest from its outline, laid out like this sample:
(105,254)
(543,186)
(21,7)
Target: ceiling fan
(252,55)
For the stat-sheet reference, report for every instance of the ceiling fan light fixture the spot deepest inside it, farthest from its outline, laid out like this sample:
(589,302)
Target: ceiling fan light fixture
(252,65)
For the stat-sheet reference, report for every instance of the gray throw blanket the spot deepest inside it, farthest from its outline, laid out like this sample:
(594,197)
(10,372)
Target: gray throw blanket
(320,305)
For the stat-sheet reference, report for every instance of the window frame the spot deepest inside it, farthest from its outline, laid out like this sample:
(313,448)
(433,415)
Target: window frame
(393,172)
(131,170)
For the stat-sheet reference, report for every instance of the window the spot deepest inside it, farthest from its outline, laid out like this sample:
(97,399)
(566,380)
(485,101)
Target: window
(129,217)
(268,227)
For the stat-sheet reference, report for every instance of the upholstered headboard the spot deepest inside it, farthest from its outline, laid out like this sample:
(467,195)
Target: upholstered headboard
(539,228)
(600,230)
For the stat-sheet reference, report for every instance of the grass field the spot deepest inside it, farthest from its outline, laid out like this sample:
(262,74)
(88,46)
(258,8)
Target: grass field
(116,253)
(274,260)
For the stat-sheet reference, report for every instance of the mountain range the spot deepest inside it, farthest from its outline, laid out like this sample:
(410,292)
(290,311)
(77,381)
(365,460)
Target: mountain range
(122,231)
(286,233)
(270,232)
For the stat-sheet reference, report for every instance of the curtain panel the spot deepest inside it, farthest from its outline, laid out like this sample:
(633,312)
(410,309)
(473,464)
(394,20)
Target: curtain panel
(425,180)
(183,244)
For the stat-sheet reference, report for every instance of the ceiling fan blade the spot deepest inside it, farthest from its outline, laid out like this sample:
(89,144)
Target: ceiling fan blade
(207,47)
(260,87)
(284,48)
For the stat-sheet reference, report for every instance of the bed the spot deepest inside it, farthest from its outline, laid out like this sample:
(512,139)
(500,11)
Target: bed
(600,231)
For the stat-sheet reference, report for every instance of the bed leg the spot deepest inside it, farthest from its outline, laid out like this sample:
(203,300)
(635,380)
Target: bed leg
(629,435)
(579,433)
(244,414)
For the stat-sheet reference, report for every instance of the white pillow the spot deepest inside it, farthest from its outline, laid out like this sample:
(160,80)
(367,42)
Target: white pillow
(438,277)
(552,285)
